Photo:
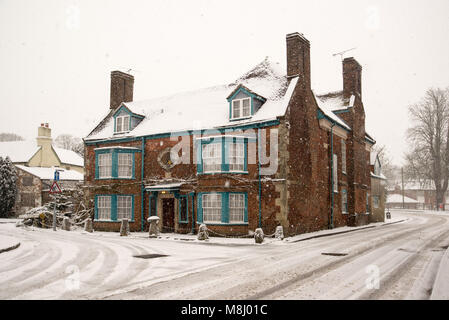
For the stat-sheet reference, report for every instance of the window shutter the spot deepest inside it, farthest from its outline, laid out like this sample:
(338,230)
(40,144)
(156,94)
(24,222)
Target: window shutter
(199,158)
(114,170)
(114,207)
(96,166)
(225,207)
(96,208)
(245,217)
(199,212)
(224,155)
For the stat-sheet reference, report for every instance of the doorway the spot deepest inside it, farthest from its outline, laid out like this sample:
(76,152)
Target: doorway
(168,215)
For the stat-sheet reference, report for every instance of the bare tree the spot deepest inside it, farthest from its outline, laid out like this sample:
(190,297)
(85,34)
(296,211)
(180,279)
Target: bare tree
(428,157)
(69,142)
(389,170)
(10,137)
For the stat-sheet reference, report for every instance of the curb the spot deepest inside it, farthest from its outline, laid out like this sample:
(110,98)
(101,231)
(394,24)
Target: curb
(341,232)
(440,289)
(10,248)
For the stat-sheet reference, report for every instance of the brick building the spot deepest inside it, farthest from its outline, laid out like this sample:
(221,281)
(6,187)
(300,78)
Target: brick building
(262,151)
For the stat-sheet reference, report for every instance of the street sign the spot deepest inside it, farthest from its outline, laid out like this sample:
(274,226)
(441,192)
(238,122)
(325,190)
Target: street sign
(55,188)
(56,178)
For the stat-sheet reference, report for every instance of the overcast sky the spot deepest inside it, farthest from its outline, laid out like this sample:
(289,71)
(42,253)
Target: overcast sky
(56,56)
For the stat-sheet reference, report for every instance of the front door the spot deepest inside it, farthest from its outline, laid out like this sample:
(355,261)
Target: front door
(168,215)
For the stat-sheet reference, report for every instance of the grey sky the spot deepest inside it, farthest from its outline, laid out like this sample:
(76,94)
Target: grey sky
(56,56)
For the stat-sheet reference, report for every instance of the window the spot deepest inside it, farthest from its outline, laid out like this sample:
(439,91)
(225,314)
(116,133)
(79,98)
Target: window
(344,201)
(236,207)
(105,165)
(367,203)
(27,181)
(125,165)
(153,206)
(183,209)
(211,207)
(211,154)
(241,108)
(236,157)
(343,156)
(376,201)
(104,207)
(334,172)
(122,124)
(124,207)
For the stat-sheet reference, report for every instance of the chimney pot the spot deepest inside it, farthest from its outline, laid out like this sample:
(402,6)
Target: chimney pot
(122,87)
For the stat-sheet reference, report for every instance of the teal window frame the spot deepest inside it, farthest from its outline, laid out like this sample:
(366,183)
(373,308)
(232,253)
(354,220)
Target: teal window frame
(114,171)
(224,209)
(114,207)
(225,141)
(186,197)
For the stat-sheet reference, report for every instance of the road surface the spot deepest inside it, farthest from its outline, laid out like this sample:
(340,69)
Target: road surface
(395,261)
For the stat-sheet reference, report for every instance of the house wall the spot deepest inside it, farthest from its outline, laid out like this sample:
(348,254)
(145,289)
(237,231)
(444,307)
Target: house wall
(28,189)
(378,190)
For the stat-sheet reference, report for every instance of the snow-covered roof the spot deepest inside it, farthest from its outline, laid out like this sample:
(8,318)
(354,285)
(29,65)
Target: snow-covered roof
(396,198)
(380,176)
(206,108)
(329,102)
(334,101)
(69,157)
(48,173)
(18,151)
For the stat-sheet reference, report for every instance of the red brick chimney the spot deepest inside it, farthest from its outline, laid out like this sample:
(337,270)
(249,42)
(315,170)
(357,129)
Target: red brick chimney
(122,86)
(298,57)
(352,77)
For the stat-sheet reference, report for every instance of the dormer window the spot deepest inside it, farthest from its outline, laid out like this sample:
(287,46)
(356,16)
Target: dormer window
(243,103)
(241,108)
(122,124)
(125,120)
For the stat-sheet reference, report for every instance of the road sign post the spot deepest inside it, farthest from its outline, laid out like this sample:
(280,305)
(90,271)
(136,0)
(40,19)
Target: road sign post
(55,189)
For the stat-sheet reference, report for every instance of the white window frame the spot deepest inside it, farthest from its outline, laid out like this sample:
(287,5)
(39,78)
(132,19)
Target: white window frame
(335,172)
(124,123)
(344,200)
(105,162)
(240,108)
(343,156)
(212,207)
(236,207)
(236,156)
(211,163)
(124,207)
(376,202)
(104,210)
(125,165)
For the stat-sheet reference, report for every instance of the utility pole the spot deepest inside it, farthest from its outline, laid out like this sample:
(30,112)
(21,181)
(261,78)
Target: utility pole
(402,177)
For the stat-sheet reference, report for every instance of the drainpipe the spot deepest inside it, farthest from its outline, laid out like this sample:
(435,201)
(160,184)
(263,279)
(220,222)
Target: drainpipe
(331,225)
(260,183)
(193,213)
(142,187)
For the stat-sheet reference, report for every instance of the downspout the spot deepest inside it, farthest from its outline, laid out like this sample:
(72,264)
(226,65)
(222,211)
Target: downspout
(331,226)
(260,183)
(193,213)
(142,187)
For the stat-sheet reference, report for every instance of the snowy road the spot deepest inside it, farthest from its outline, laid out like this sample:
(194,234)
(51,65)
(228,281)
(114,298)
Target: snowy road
(404,258)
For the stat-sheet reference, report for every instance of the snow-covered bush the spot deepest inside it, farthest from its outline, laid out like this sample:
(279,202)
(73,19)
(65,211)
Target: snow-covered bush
(8,187)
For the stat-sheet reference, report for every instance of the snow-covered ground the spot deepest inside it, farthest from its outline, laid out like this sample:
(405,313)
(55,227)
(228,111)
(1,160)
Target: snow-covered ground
(404,255)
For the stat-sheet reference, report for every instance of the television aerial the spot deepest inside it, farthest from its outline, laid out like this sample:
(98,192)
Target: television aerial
(342,53)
